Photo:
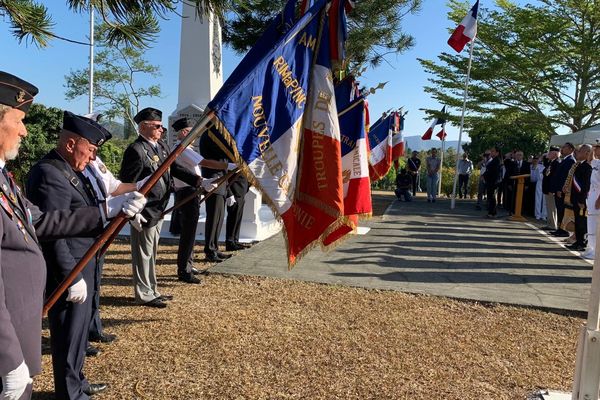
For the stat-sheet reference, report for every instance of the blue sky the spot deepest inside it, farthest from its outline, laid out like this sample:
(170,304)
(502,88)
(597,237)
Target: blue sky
(47,67)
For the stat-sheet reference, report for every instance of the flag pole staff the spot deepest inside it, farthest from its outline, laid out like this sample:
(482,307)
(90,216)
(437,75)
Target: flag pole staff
(120,219)
(462,124)
(442,158)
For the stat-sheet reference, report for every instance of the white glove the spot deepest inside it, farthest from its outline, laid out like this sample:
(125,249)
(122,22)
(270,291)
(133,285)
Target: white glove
(141,183)
(15,383)
(230,201)
(77,292)
(208,185)
(130,203)
(231,166)
(137,221)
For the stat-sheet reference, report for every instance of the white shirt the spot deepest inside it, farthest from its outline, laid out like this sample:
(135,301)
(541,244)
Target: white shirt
(191,160)
(99,174)
(595,178)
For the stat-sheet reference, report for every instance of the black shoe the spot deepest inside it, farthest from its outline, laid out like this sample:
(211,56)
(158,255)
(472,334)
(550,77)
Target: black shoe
(561,233)
(155,303)
(230,246)
(576,246)
(103,338)
(92,351)
(189,278)
(223,256)
(196,271)
(214,258)
(95,388)
(165,297)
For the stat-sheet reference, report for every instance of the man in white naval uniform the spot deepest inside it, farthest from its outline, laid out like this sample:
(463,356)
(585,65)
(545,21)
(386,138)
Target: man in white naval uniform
(593,205)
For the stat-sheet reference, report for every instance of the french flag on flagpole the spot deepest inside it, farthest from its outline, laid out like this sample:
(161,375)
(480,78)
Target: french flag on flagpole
(466,31)
(398,137)
(436,121)
(576,185)
(277,112)
(380,145)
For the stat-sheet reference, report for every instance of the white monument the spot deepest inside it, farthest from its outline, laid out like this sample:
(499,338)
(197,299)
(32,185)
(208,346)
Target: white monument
(200,78)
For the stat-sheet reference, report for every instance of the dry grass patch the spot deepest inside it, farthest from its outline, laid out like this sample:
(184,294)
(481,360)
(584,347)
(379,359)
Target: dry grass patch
(261,338)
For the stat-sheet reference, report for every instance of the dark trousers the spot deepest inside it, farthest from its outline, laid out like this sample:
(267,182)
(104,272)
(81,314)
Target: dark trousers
(509,197)
(175,225)
(463,185)
(580,224)
(215,208)
(96,327)
(560,210)
(414,178)
(69,326)
(188,213)
(234,220)
(491,198)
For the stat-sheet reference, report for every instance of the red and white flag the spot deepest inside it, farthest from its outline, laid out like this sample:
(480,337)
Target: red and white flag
(380,147)
(436,121)
(398,137)
(442,133)
(466,31)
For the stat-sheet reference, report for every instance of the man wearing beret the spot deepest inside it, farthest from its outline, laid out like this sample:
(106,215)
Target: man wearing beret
(57,182)
(22,265)
(141,159)
(190,211)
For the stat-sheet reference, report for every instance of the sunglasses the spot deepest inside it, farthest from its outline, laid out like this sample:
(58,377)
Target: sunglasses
(154,126)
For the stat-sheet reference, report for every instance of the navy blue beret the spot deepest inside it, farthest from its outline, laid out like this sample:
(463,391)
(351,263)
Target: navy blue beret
(183,123)
(15,92)
(148,114)
(87,128)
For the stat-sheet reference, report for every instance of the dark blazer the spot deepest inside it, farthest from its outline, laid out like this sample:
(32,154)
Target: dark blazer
(492,172)
(49,189)
(582,175)
(210,150)
(140,160)
(558,181)
(239,186)
(549,174)
(23,272)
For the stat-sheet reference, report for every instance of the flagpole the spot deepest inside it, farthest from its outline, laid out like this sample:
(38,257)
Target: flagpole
(442,158)
(462,124)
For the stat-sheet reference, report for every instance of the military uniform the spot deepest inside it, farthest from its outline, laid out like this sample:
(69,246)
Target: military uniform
(140,160)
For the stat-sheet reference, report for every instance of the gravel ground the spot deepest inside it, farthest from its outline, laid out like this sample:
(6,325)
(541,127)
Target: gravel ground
(260,338)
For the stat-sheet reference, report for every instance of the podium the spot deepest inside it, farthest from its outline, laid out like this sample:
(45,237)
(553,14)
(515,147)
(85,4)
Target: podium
(519,197)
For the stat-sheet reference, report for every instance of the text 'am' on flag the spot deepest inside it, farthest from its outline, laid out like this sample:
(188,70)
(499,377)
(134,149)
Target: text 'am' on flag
(277,111)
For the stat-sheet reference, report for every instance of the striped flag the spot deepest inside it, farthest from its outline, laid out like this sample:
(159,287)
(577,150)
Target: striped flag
(380,145)
(466,31)
(398,137)
(436,121)
(277,112)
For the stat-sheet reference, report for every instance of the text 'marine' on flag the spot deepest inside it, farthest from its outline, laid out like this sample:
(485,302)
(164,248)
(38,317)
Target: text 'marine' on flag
(277,111)
(436,121)
(380,145)
(355,167)
(466,31)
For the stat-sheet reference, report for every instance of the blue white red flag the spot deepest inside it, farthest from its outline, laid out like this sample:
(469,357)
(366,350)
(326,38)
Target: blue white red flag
(436,121)
(338,28)
(466,31)
(398,137)
(277,111)
(380,146)
(355,168)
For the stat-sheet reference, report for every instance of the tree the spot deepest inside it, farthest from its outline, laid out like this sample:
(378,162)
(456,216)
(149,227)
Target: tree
(539,61)
(116,71)
(132,22)
(43,126)
(374,28)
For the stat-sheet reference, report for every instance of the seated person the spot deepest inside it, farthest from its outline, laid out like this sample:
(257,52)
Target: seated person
(403,185)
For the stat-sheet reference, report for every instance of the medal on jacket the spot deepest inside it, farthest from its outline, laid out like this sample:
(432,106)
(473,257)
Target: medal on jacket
(5,204)
(155,158)
(22,229)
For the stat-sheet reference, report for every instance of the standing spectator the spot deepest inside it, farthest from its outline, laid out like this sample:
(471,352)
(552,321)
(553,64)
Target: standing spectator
(403,184)
(238,186)
(536,176)
(492,177)
(593,204)
(549,173)
(465,169)
(556,186)
(433,165)
(580,186)
(481,186)
(414,166)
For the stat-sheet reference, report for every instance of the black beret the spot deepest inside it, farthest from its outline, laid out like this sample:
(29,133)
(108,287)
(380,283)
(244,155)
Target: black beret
(87,128)
(554,148)
(148,114)
(15,92)
(182,123)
